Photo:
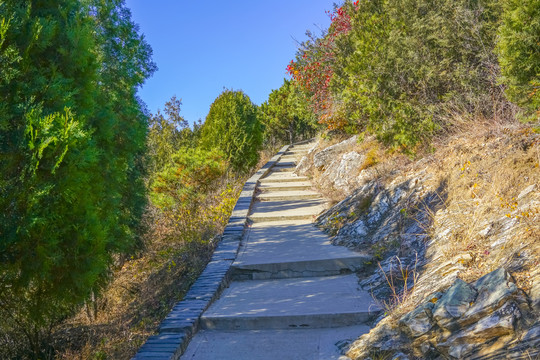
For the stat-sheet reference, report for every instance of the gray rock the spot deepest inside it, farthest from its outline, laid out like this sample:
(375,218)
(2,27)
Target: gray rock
(359,228)
(532,335)
(418,322)
(453,304)
(350,164)
(324,157)
(303,166)
(499,323)
(494,289)
(534,294)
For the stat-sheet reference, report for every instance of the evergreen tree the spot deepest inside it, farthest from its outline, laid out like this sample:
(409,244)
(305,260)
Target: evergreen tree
(519,54)
(286,116)
(168,133)
(71,139)
(232,126)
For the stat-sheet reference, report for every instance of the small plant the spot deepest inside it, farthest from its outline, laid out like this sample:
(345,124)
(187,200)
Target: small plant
(399,283)
(371,159)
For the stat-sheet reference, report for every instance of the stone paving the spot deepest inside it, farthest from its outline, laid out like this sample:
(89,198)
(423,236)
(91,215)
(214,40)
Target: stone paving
(275,288)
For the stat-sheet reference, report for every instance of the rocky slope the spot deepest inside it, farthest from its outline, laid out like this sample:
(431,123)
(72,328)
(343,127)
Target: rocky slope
(454,238)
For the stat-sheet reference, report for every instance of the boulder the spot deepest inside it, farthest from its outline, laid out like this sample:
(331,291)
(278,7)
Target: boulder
(453,304)
(303,166)
(534,294)
(342,175)
(494,290)
(496,325)
(419,321)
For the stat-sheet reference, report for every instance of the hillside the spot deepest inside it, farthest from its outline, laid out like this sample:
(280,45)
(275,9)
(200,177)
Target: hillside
(435,225)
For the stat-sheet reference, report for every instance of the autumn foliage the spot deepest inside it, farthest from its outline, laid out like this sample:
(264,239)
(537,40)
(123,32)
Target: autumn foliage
(314,66)
(403,70)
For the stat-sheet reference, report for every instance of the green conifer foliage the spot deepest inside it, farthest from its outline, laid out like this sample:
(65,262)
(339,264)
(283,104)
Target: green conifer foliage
(71,138)
(232,126)
(519,54)
(286,116)
(406,64)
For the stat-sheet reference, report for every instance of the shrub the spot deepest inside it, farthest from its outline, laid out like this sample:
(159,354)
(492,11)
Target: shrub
(232,127)
(519,54)
(405,65)
(286,116)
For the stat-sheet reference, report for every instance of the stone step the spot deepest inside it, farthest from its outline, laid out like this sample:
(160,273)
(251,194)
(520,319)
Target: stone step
(294,158)
(289,195)
(283,177)
(286,210)
(285,249)
(294,344)
(316,302)
(284,186)
(299,153)
(283,168)
(306,146)
(285,163)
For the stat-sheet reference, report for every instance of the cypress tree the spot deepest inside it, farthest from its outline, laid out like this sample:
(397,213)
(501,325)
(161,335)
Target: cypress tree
(232,126)
(72,136)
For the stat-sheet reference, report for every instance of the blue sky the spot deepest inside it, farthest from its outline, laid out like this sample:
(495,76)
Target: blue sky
(200,47)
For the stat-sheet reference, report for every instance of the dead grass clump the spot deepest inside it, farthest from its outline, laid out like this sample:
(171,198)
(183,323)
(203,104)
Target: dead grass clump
(487,170)
(144,289)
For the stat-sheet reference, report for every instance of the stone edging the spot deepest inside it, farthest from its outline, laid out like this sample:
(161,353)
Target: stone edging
(176,331)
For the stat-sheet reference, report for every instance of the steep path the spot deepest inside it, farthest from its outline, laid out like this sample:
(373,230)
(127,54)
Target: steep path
(276,288)
(293,295)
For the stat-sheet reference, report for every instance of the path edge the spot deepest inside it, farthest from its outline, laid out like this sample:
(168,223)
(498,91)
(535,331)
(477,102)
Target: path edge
(183,322)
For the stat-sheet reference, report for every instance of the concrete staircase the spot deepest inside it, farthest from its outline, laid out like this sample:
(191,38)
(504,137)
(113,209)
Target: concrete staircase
(293,294)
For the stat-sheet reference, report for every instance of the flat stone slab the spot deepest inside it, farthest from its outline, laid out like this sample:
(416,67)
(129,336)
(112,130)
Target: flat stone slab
(280,186)
(283,176)
(284,168)
(315,302)
(300,344)
(285,163)
(289,195)
(293,248)
(287,210)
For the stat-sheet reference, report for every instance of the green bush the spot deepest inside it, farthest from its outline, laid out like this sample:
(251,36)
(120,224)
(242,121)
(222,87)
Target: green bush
(406,64)
(286,116)
(167,133)
(232,126)
(189,177)
(519,54)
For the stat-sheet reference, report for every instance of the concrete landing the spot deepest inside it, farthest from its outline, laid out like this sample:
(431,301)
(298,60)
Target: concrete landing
(301,344)
(316,302)
(292,248)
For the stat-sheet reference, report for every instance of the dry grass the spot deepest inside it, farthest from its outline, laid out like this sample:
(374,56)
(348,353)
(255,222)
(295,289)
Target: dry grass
(140,295)
(145,288)
(486,170)
(484,166)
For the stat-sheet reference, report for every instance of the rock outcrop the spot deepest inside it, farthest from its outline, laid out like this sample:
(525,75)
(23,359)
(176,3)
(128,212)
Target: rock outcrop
(455,249)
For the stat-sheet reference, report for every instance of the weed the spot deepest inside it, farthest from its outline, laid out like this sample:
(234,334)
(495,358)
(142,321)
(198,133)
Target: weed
(401,284)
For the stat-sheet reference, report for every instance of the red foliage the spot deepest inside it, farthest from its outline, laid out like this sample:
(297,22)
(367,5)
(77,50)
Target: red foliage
(314,67)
